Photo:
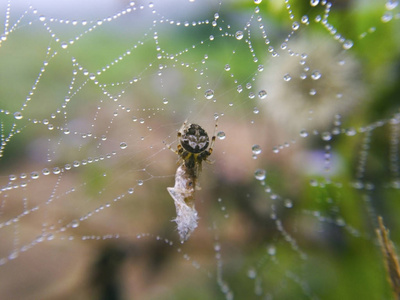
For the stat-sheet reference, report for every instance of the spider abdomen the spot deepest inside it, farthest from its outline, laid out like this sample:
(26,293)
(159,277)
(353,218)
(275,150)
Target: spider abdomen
(195,139)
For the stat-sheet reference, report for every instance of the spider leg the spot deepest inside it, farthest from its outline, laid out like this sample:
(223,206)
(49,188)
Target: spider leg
(173,150)
(178,135)
(213,138)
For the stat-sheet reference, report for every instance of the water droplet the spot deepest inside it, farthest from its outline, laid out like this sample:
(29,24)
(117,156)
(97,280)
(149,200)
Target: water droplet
(239,35)
(256,111)
(42,18)
(288,203)
(287,77)
(391,4)
(123,145)
(312,92)
(131,190)
(295,25)
(271,250)
(257,1)
(304,19)
(260,174)
(18,115)
(314,2)
(221,135)
(256,149)
(34,175)
(315,75)
(13,255)
(303,133)
(209,94)
(262,94)
(64,45)
(351,131)
(227,67)
(347,44)
(74,223)
(252,273)
(140,182)
(326,136)
(239,88)
(56,170)
(260,68)
(387,17)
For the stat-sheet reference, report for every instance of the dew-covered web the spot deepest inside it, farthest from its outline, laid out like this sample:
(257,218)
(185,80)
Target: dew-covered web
(306,155)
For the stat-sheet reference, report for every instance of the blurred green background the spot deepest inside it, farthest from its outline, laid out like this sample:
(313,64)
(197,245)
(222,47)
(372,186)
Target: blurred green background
(307,231)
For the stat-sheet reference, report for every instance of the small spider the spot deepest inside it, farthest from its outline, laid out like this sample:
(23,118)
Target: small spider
(192,149)
(193,142)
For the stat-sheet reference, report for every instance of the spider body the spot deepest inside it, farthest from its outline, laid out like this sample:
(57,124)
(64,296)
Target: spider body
(193,147)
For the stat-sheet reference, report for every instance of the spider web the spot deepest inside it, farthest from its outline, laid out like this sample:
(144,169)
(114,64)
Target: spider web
(306,155)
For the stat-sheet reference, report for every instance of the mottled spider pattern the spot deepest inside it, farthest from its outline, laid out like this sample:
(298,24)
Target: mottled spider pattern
(193,142)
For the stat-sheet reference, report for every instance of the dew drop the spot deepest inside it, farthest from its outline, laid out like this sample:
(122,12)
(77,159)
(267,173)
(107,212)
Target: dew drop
(123,145)
(257,1)
(131,190)
(260,174)
(239,88)
(239,35)
(256,111)
(262,94)
(295,25)
(387,17)
(271,250)
(140,182)
(13,255)
(227,67)
(314,2)
(18,115)
(304,19)
(288,203)
(351,131)
(315,75)
(34,175)
(75,223)
(303,133)
(251,273)
(221,135)
(256,149)
(260,68)
(64,45)
(312,92)
(209,94)
(326,136)
(391,4)
(287,77)
(347,44)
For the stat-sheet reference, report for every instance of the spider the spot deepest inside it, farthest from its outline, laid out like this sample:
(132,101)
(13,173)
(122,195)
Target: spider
(193,142)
